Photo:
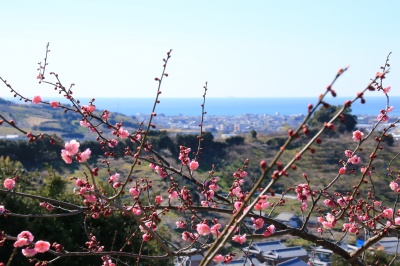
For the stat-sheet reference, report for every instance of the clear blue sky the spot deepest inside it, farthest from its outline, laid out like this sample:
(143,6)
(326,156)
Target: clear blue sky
(242,48)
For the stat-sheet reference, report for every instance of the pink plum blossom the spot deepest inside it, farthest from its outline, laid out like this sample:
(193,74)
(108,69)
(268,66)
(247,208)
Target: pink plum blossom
(158,199)
(270,230)
(54,104)
(2,209)
(21,242)
(67,158)
(354,159)
(186,236)
(134,191)
(215,229)
(137,210)
(348,153)
(387,213)
(382,117)
(84,156)
(218,258)
(36,99)
(394,186)
(25,235)
(203,229)
(303,206)
(329,222)
(357,135)
(303,192)
(72,147)
(122,133)
(180,224)
(173,195)
(193,165)
(239,238)
(9,183)
(146,237)
(329,203)
(342,170)
(42,246)
(386,90)
(105,115)
(258,223)
(114,178)
(28,252)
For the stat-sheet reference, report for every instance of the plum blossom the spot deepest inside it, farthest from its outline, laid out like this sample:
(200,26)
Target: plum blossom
(72,147)
(184,155)
(203,229)
(342,170)
(343,201)
(36,99)
(394,186)
(2,209)
(84,156)
(9,183)
(357,135)
(239,239)
(173,195)
(158,199)
(122,133)
(237,191)
(270,230)
(215,229)
(88,108)
(67,158)
(329,203)
(348,153)
(29,252)
(193,165)
(137,210)
(365,170)
(42,246)
(382,117)
(180,224)
(218,258)
(354,159)
(350,227)
(105,115)
(303,206)
(21,242)
(237,205)
(146,237)
(386,90)
(54,104)
(114,178)
(134,191)
(303,192)
(387,213)
(257,223)
(329,221)
(186,236)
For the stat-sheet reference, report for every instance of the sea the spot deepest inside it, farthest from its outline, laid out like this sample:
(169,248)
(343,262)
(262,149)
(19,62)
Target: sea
(232,106)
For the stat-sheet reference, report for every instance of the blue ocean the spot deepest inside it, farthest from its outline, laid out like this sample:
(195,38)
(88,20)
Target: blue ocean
(233,106)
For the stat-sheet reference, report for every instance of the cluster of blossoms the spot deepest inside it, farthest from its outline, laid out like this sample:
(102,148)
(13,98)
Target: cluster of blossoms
(25,239)
(185,160)
(71,149)
(160,170)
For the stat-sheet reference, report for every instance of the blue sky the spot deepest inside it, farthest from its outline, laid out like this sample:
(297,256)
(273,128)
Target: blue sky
(242,48)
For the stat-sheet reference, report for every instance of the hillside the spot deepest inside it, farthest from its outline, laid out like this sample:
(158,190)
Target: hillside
(45,119)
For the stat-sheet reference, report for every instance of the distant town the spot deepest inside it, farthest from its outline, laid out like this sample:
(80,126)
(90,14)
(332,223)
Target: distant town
(227,126)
